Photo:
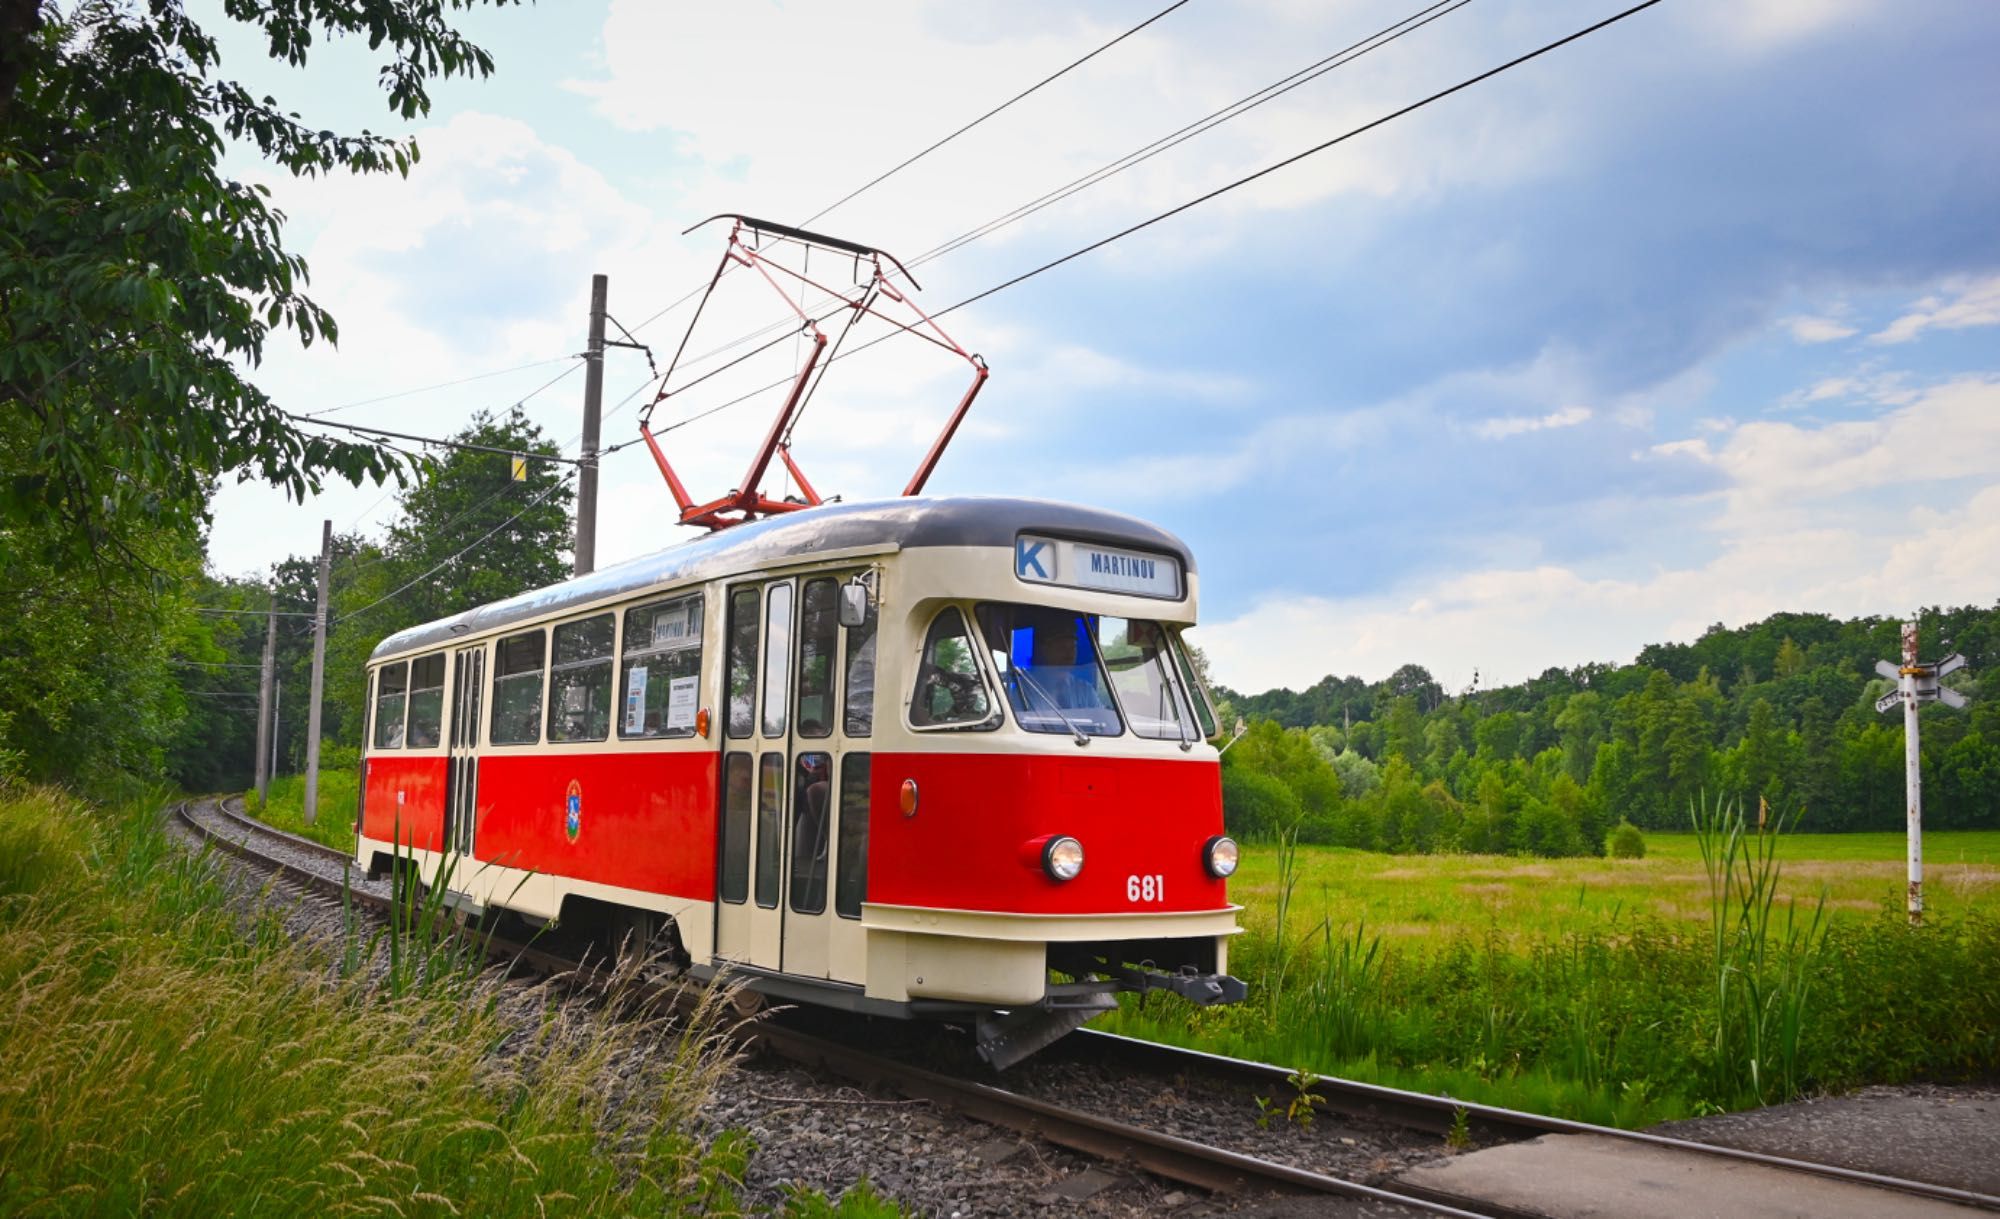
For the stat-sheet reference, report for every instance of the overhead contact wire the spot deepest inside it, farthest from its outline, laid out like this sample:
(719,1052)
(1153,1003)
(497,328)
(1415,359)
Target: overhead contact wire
(1038,85)
(1198,200)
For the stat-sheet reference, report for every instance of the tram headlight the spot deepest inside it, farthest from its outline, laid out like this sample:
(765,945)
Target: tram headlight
(1062,857)
(1219,854)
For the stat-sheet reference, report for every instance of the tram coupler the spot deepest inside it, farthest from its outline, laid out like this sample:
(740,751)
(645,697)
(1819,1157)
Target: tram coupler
(1009,1037)
(1198,988)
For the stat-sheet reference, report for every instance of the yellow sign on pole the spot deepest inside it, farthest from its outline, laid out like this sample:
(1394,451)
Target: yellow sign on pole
(520,469)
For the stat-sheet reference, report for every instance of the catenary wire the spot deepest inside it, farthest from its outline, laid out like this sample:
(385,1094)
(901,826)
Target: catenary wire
(1198,200)
(907,162)
(1278,88)
(1208,122)
(880,178)
(459,554)
(467,446)
(425,389)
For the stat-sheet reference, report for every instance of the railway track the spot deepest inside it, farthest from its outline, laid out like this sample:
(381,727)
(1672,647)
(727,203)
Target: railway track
(313,867)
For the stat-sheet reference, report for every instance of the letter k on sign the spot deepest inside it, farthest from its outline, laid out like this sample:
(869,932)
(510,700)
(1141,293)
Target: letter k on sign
(1028,559)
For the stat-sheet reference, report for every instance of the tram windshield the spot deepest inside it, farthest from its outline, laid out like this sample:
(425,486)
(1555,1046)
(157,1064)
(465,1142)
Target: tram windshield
(1135,651)
(1049,665)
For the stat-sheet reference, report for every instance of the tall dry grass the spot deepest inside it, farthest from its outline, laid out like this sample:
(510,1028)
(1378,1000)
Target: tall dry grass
(154,1058)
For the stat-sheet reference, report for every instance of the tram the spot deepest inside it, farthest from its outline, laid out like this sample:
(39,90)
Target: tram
(919,758)
(922,757)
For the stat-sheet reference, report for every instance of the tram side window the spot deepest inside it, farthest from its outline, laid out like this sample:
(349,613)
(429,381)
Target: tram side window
(860,687)
(662,669)
(517,690)
(819,637)
(742,662)
(736,797)
(392,684)
(770,803)
(812,806)
(1197,692)
(950,689)
(851,871)
(777,658)
(426,701)
(580,681)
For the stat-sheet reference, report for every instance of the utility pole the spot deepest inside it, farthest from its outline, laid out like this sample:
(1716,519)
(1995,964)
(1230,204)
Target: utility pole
(593,407)
(1916,683)
(319,673)
(277,722)
(270,668)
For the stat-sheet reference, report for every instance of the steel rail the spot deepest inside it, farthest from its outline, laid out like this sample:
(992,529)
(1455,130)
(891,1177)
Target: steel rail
(1439,1113)
(1185,1161)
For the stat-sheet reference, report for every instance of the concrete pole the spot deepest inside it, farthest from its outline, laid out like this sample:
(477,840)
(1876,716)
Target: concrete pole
(319,673)
(593,408)
(277,722)
(269,671)
(1913,774)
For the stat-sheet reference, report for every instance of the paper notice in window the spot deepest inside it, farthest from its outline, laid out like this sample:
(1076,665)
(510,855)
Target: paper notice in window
(680,702)
(635,700)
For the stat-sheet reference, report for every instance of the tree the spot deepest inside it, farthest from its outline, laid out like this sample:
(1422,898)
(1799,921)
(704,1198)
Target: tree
(137,280)
(468,534)
(1499,737)
(1580,726)
(1404,730)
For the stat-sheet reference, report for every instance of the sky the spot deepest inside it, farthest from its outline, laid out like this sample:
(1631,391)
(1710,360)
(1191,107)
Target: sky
(1688,322)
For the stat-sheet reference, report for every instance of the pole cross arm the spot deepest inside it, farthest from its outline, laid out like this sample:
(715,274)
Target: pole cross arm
(1951,698)
(1950,664)
(1889,701)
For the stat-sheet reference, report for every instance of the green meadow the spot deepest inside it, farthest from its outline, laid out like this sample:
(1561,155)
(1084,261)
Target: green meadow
(1418,899)
(1626,991)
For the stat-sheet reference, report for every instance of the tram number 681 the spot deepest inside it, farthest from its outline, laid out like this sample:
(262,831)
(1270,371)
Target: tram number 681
(1145,888)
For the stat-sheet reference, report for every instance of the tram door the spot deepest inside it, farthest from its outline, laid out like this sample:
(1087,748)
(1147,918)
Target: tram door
(783,748)
(468,676)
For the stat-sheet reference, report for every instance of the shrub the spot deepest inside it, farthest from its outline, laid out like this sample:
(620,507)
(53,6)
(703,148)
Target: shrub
(1257,805)
(1627,842)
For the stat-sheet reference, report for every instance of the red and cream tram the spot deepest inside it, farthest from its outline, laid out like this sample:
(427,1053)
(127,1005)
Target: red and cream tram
(910,758)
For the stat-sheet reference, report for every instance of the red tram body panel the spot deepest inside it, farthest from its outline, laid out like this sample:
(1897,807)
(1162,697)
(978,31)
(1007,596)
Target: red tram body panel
(1135,817)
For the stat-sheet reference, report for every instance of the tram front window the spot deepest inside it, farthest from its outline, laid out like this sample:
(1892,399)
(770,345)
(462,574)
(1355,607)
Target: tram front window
(1135,651)
(1049,666)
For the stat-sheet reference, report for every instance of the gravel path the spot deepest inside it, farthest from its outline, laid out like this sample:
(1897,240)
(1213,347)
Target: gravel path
(1943,1135)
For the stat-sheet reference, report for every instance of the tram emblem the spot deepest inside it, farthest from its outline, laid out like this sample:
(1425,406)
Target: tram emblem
(573,810)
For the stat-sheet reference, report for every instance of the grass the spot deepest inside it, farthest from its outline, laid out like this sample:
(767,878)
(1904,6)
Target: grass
(286,809)
(1419,899)
(1626,991)
(158,1058)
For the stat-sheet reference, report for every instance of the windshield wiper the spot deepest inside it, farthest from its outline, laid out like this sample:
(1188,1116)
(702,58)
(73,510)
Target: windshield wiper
(1082,738)
(1180,721)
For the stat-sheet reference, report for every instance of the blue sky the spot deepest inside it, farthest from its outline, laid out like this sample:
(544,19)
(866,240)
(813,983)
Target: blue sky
(1689,322)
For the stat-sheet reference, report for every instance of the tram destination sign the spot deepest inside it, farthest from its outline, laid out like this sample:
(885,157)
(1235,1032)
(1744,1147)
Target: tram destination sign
(1040,560)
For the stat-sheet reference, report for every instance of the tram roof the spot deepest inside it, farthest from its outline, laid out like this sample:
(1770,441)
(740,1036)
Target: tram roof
(966,520)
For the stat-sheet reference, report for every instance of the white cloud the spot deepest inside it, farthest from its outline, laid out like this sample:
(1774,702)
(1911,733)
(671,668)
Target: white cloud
(1806,329)
(1515,425)
(1967,303)
(1781,469)
(1798,526)
(1761,26)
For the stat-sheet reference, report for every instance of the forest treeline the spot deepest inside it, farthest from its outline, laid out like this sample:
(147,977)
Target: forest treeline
(146,665)
(1782,710)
